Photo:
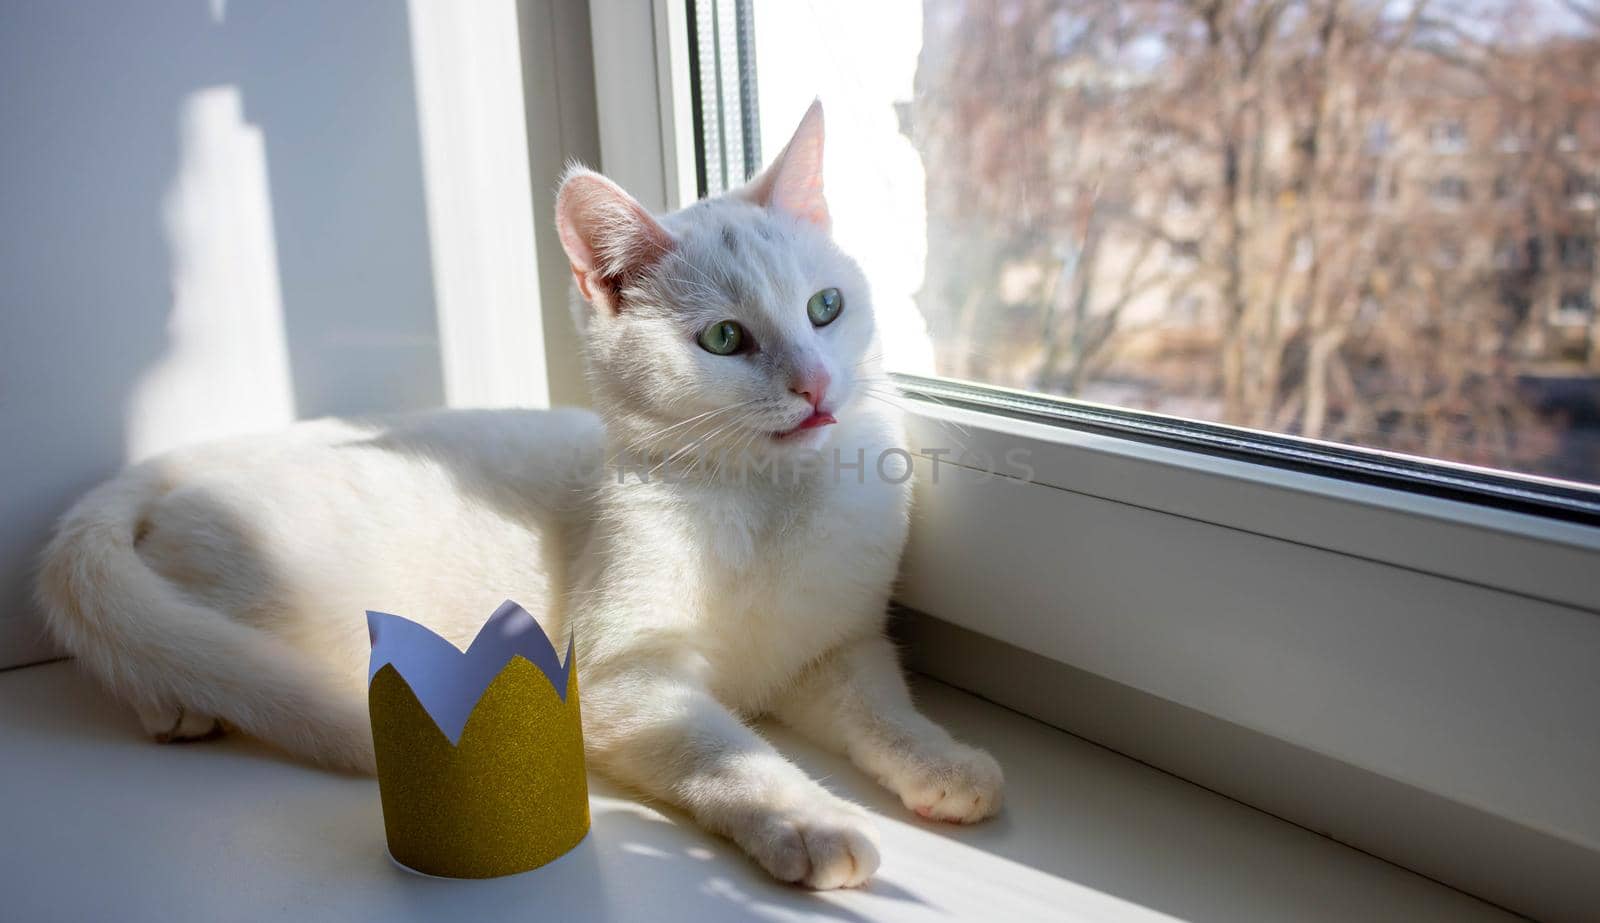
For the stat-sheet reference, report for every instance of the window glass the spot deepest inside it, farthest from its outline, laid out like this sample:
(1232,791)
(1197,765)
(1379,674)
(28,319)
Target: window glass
(1370,222)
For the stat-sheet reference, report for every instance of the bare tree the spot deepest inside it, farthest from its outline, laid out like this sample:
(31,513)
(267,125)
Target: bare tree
(1293,214)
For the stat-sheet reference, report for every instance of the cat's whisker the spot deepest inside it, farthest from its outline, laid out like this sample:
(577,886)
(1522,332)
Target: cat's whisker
(705,291)
(696,269)
(709,419)
(651,437)
(703,440)
(750,440)
(899,400)
(899,397)
(647,448)
(716,473)
(656,434)
(742,445)
(708,287)
(961,444)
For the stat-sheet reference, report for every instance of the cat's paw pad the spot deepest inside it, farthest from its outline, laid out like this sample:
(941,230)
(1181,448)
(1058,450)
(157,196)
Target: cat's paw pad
(820,848)
(960,784)
(179,725)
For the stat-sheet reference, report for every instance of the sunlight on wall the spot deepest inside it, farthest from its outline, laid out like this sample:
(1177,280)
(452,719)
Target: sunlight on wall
(475,163)
(860,58)
(226,369)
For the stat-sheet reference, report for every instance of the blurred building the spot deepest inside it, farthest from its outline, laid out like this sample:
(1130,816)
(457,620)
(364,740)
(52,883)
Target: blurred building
(1328,219)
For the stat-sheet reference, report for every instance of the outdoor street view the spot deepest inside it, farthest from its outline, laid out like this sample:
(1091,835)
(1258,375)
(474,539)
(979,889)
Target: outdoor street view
(1366,221)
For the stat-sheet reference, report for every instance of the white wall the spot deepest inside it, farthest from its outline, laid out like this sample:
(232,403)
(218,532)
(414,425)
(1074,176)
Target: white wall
(216,216)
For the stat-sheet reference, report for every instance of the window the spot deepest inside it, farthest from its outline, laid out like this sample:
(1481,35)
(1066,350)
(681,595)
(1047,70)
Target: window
(1576,308)
(1071,139)
(1044,201)
(1450,190)
(1448,137)
(1568,139)
(1447,255)
(1580,190)
(1577,251)
(722,65)
(1378,190)
(1510,254)
(1378,137)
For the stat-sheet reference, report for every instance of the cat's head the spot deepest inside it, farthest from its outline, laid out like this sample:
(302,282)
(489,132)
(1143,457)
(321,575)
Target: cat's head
(732,324)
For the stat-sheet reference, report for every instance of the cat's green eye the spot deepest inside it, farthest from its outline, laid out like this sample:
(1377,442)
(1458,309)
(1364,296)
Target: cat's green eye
(723,338)
(824,306)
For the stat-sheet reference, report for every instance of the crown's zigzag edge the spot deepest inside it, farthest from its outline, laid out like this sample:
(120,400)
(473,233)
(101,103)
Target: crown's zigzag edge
(447,681)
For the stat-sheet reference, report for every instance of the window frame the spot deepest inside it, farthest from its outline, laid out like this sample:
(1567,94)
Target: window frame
(1518,583)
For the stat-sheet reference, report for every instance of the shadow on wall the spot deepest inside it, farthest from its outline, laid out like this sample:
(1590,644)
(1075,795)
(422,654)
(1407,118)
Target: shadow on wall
(211,220)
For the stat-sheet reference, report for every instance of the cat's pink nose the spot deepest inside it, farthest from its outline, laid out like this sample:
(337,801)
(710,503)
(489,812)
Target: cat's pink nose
(812,384)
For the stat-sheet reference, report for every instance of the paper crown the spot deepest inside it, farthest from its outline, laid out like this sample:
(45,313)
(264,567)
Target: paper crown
(480,753)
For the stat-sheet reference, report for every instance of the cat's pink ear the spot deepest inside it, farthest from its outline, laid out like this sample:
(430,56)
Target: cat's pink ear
(793,183)
(608,235)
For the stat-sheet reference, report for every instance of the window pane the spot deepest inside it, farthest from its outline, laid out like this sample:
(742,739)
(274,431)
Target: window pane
(1365,222)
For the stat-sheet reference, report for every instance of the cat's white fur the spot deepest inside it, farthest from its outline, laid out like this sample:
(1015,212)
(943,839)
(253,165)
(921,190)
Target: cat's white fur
(227,583)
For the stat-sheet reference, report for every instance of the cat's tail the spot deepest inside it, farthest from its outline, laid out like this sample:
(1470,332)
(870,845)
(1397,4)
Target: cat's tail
(157,649)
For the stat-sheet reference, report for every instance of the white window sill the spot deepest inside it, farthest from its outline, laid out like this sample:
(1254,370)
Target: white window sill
(102,824)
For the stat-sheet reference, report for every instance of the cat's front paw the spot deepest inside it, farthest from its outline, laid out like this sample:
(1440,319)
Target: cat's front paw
(955,783)
(822,847)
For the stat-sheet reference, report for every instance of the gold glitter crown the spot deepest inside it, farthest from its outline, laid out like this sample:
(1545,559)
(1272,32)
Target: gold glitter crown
(480,752)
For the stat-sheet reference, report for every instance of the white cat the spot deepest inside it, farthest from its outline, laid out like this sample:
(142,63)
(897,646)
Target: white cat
(228,583)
